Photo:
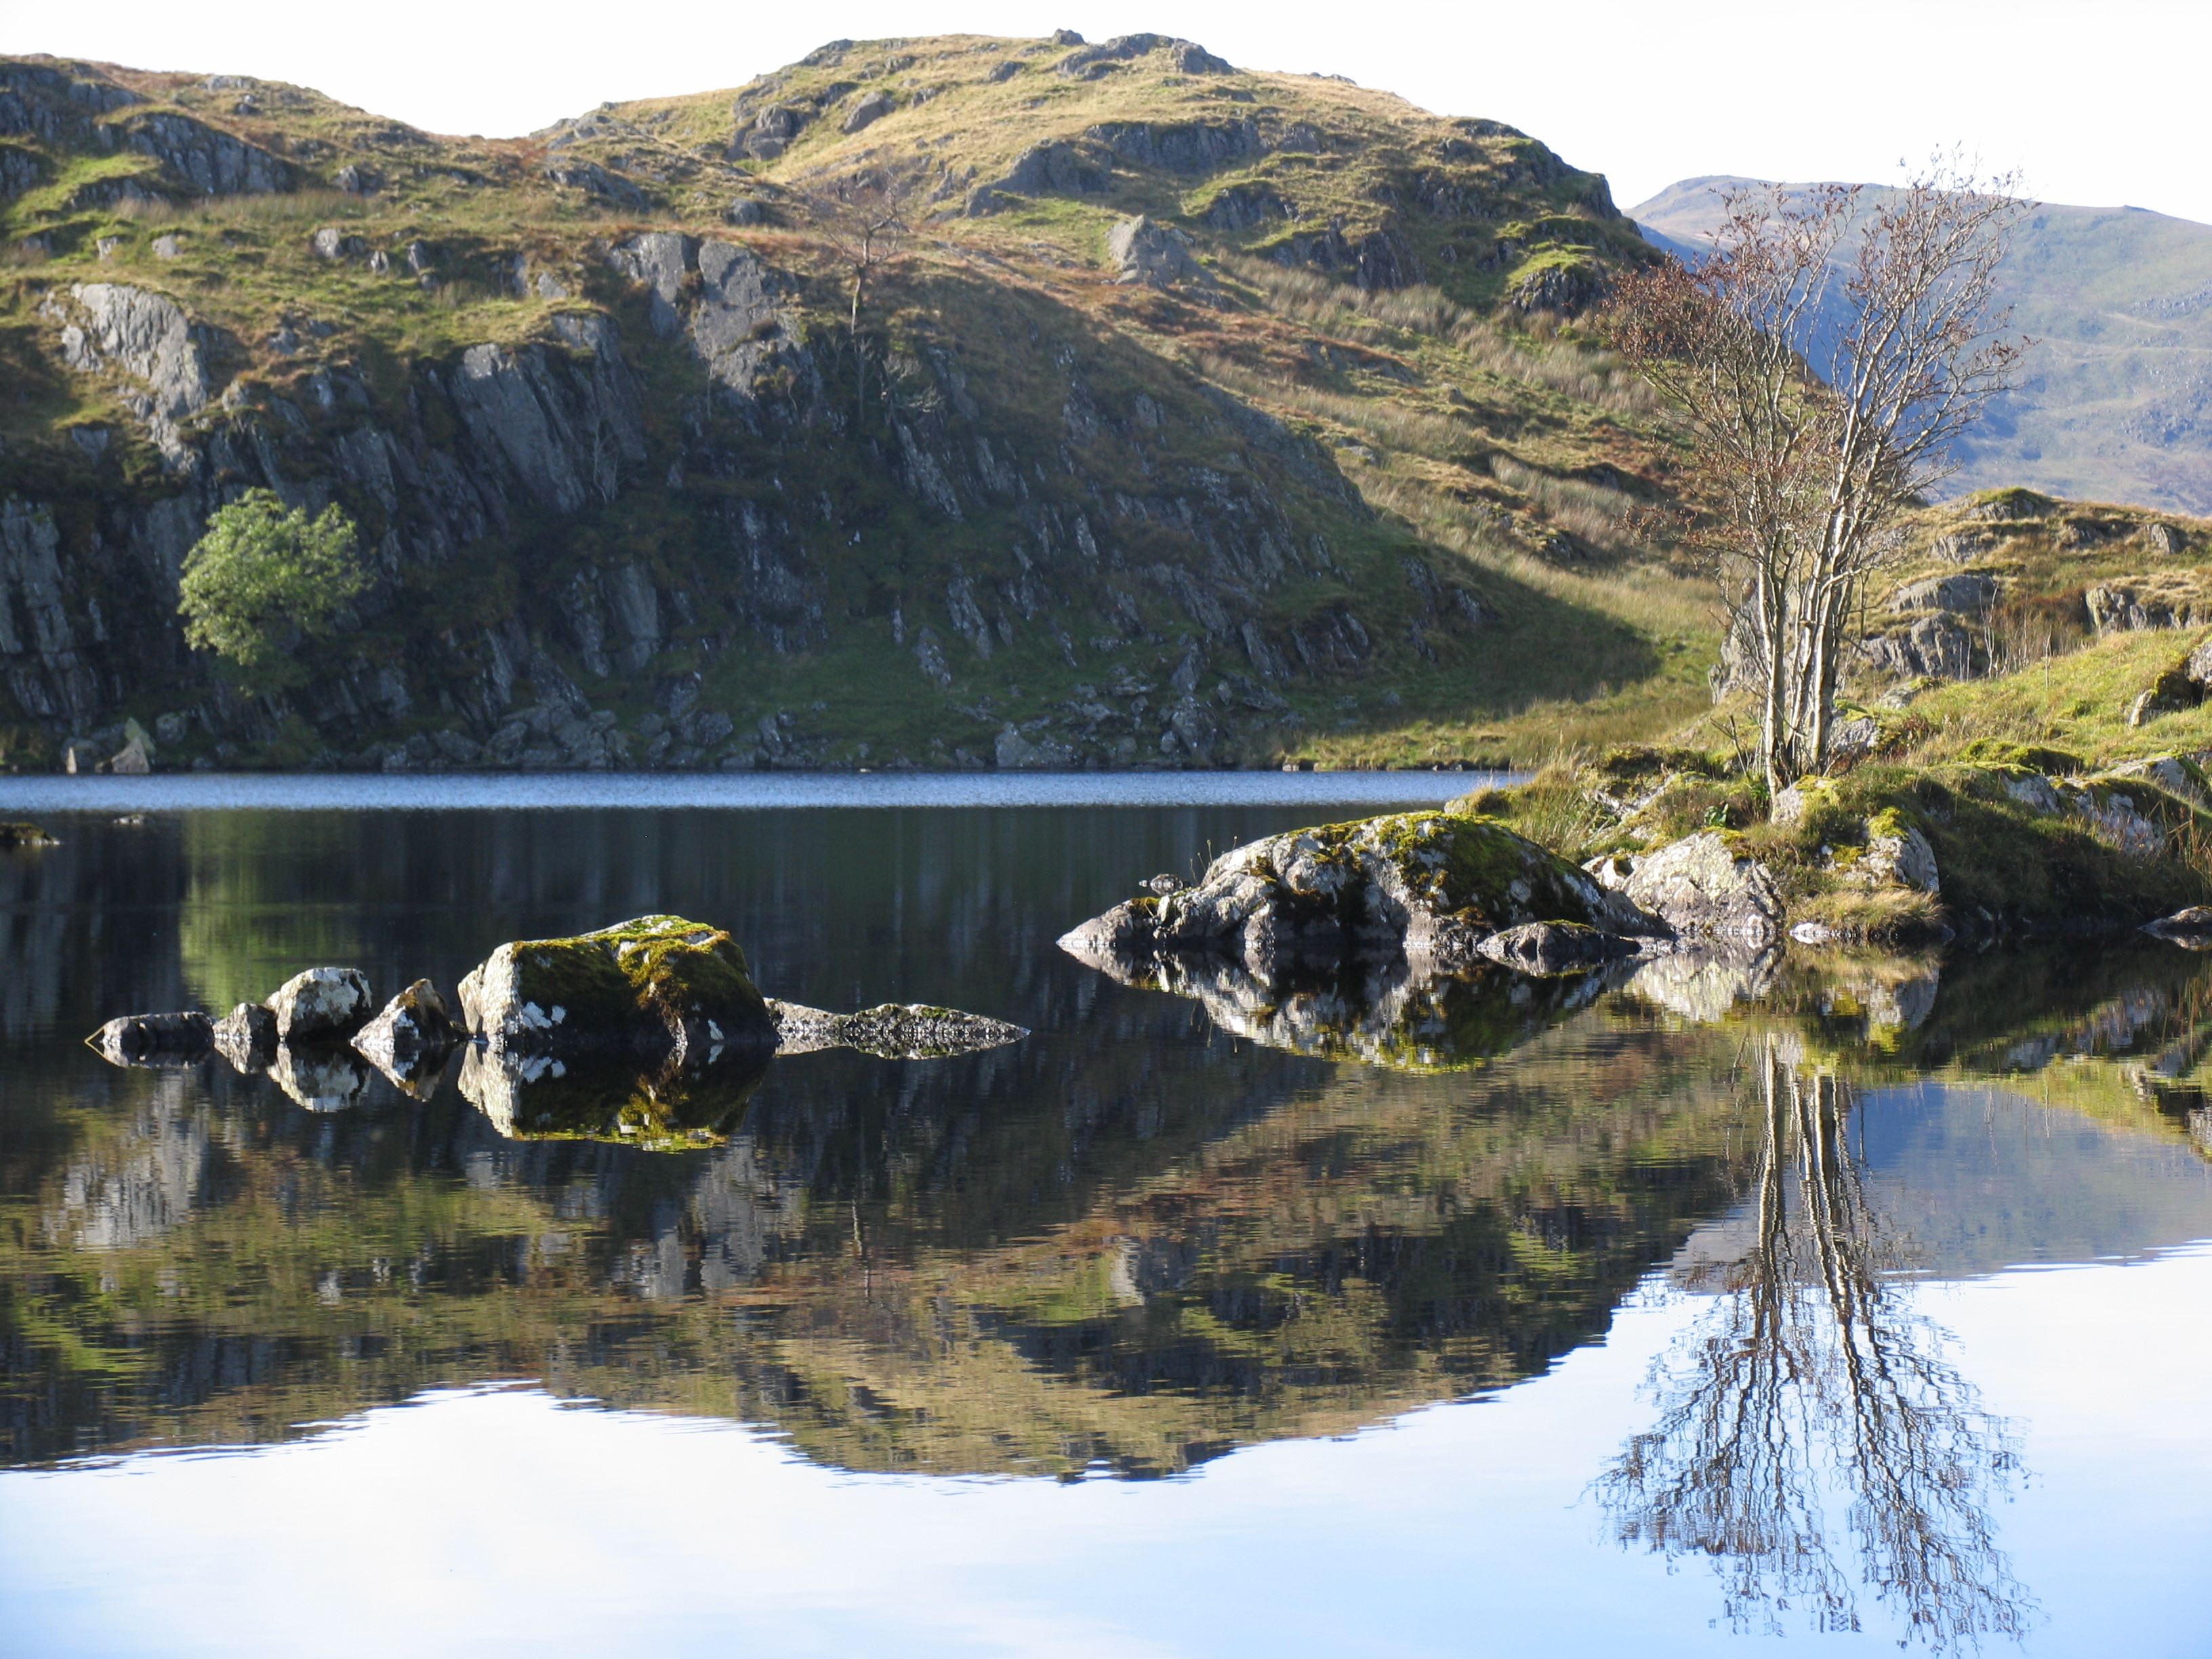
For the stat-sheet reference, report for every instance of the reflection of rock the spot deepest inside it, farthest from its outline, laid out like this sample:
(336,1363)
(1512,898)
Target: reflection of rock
(1546,948)
(1380,1012)
(893,1031)
(1704,984)
(154,1039)
(678,1108)
(411,1039)
(655,985)
(2191,929)
(321,1079)
(323,1002)
(1428,886)
(247,1037)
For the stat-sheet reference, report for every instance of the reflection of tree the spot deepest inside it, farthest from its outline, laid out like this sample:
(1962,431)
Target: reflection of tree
(1811,1386)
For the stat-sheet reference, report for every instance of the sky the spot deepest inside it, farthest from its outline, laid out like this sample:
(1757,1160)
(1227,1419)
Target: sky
(2094,104)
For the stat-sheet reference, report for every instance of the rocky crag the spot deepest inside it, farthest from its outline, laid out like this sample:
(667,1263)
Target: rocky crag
(1093,477)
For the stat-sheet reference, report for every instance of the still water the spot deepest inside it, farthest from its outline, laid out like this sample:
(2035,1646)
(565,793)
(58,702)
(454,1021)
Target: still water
(1626,1318)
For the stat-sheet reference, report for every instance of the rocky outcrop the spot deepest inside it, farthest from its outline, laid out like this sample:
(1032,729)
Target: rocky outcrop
(1703,887)
(1424,888)
(890,1030)
(1157,255)
(657,985)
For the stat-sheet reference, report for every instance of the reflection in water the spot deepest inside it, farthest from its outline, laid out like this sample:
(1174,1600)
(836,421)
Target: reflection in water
(1160,1229)
(1815,1384)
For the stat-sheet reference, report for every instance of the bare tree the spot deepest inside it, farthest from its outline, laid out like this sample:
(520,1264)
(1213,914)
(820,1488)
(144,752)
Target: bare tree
(865,220)
(1811,1391)
(1825,357)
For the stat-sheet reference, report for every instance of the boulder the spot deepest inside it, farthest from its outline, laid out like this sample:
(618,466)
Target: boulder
(154,1039)
(320,1003)
(655,985)
(414,1032)
(1153,253)
(892,1029)
(1897,855)
(870,110)
(25,835)
(1702,887)
(1425,887)
(1544,950)
(247,1037)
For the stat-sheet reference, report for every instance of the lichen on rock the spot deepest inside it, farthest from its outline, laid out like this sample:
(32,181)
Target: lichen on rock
(656,984)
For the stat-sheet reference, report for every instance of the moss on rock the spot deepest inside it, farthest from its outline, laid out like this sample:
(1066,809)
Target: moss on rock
(653,983)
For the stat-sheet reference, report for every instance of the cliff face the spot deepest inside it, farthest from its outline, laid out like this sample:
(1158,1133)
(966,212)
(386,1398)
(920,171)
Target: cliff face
(640,494)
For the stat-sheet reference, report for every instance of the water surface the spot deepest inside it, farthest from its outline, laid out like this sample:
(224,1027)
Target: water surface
(1151,1335)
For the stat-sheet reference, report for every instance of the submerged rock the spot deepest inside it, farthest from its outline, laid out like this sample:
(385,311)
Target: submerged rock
(655,985)
(322,1002)
(1428,887)
(410,1037)
(892,1030)
(684,1105)
(154,1039)
(247,1037)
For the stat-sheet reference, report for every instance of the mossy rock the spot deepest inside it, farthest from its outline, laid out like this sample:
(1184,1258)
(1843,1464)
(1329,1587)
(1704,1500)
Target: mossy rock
(1996,751)
(650,984)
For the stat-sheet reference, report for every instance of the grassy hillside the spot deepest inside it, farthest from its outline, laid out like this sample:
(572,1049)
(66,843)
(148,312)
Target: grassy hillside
(1353,476)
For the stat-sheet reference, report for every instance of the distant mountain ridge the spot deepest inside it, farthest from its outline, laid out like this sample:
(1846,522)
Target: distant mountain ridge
(2116,404)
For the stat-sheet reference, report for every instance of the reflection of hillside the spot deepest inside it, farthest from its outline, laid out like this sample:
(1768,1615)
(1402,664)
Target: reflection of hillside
(1161,1262)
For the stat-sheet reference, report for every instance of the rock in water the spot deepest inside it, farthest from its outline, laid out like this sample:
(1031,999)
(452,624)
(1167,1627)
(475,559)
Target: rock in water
(655,985)
(154,1039)
(1546,949)
(247,1037)
(321,1003)
(410,1035)
(892,1030)
(25,835)
(1428,886)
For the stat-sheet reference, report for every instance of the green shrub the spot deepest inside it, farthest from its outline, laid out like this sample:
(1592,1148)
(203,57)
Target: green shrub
(264,577)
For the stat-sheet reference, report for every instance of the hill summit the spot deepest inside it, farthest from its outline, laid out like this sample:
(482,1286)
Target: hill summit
(1186,416)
